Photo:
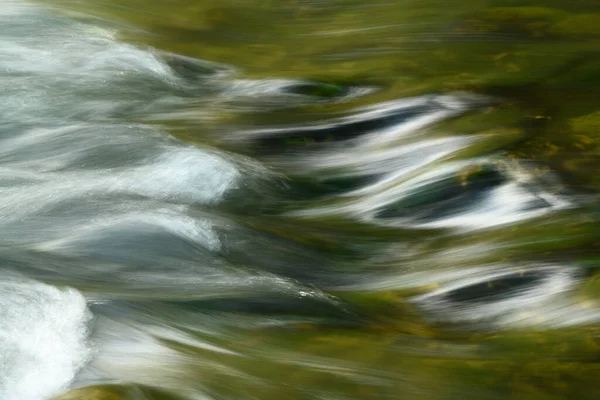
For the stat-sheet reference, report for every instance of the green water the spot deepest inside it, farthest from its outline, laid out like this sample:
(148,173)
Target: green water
(535,66)
(540,56)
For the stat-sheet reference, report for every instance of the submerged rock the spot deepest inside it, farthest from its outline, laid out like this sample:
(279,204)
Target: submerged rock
(315,89)
(531,21)
(448,195)
(115,392)
(94,393)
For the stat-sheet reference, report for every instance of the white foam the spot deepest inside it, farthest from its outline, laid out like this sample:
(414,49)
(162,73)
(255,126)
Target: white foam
(11,8)
(43,338)
(187,174)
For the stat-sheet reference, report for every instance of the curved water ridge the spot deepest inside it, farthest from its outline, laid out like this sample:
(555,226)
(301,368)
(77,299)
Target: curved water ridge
(389,165)
(503,296)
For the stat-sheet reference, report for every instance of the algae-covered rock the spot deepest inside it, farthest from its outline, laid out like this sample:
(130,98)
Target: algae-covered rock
(446,195)
(115,392)
(588,124)
(585,140)
(533,21)
(578,25)
(591,289)
(94,393)
(315,89)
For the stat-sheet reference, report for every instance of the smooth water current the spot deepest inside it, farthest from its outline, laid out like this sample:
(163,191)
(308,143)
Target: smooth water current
(299,200)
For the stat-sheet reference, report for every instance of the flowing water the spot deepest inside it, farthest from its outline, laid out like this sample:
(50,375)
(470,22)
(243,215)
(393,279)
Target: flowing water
(316,199)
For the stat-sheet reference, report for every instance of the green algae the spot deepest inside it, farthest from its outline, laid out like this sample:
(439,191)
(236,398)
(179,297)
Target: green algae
(532,21)
(116,392)
(582,25)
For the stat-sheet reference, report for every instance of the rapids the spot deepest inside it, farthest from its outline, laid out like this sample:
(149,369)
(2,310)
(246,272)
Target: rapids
(180,221)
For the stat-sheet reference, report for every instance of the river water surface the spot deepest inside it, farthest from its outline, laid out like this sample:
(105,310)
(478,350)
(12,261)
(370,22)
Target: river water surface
(316,199)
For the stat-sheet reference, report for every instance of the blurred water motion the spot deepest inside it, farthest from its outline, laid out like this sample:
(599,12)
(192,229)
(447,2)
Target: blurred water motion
(299,200)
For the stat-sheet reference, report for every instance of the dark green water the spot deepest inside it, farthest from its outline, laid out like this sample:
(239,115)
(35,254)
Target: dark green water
(299,199)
